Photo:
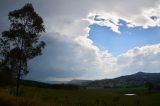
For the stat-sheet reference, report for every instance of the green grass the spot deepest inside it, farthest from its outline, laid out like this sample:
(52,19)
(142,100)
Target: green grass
(34,96)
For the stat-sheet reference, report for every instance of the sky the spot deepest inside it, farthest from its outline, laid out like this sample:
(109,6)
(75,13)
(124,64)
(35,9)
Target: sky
(93,39)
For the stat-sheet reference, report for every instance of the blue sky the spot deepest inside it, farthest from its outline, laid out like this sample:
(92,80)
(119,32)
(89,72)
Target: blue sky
(104,38)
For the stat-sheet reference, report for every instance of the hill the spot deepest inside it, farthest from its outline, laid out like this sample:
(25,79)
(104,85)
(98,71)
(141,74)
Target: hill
(79,82)
(134,80)
(47,85)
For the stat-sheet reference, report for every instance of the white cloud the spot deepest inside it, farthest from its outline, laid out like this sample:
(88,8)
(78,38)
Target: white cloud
(103,19)
(140,59)
(112,19)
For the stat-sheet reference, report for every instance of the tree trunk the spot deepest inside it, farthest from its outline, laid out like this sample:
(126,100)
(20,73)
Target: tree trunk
(18,83)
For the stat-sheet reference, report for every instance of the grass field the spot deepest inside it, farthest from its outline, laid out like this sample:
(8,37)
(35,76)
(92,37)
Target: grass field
(34,96)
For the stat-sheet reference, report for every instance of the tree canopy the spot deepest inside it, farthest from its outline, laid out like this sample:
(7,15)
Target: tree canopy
(22,41)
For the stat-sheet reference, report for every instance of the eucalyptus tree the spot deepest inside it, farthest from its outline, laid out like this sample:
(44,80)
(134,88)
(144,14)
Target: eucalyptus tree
(21,42)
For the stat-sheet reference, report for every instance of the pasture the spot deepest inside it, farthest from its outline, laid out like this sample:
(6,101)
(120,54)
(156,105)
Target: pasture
(35,96)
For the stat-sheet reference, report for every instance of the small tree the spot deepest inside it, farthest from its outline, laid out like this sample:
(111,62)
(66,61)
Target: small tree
(21,42)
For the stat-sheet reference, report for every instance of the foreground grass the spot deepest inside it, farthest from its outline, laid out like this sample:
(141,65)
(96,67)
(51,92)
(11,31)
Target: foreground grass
(34,96)
(7,99)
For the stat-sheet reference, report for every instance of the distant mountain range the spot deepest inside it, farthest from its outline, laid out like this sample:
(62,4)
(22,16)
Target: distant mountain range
(134,80)
(80,82)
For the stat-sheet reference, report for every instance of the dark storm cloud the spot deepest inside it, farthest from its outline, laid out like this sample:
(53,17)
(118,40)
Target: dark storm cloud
(60,59)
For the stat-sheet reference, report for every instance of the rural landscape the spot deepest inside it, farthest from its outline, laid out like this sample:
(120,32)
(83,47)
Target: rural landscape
(106,92)
(79,53)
